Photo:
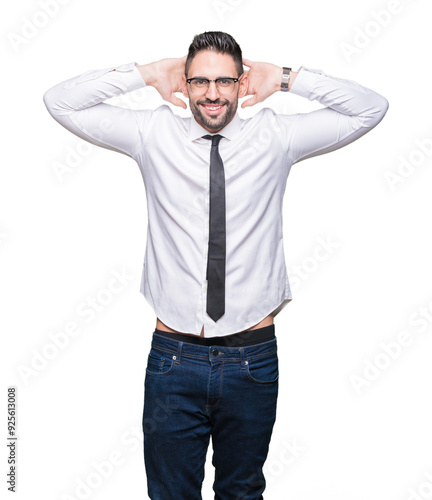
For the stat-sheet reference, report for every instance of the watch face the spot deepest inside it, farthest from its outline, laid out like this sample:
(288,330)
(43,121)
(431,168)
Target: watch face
(285,79)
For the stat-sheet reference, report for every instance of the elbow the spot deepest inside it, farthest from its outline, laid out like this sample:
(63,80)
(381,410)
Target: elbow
(384,106)
(54,101)
(48,101)
(381,108)
(376,111)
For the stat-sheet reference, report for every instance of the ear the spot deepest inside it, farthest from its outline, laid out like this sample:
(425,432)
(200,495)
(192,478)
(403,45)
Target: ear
(244,83)
(184,88)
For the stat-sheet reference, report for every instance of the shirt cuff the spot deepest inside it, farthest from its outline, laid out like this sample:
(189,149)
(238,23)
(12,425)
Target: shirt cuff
(305,82)
(131,76)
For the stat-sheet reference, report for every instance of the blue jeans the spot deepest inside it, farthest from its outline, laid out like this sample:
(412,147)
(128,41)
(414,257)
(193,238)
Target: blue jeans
(193,392)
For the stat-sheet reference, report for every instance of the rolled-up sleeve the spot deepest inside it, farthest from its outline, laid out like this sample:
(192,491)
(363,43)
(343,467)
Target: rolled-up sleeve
(350,111)
(78,105)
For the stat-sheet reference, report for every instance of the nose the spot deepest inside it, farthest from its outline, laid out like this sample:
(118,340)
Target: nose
(212,93)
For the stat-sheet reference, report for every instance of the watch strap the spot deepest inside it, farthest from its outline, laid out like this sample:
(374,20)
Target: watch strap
(285,79)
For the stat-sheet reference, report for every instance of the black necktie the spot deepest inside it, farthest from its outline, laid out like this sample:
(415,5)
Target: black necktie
(217,234)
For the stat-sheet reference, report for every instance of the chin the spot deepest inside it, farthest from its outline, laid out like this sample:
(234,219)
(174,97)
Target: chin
(214,125)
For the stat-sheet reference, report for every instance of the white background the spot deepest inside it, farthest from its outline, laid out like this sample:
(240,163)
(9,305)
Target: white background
(62,237)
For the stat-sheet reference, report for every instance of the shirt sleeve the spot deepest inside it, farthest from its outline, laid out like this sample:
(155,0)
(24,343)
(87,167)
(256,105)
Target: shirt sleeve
(351,111)
(77,104)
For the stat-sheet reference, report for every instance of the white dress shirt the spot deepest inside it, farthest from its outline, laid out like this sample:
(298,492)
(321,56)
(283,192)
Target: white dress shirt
(174,161)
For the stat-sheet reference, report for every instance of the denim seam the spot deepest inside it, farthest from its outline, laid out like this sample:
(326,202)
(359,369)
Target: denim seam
(269,353)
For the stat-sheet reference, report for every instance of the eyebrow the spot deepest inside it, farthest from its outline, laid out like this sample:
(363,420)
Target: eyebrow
(206,78)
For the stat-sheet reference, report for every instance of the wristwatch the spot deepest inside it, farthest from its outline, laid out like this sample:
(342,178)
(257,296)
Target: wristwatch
(285,79)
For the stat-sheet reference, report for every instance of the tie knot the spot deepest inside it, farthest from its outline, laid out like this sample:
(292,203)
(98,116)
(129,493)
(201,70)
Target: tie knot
(214,138)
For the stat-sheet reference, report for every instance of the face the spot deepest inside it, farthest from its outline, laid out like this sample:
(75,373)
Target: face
(213,110)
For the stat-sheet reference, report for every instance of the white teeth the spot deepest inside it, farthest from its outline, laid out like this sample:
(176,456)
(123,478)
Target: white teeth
(212,108)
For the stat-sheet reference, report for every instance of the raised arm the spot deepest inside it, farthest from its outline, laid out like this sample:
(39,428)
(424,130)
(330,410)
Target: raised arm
(350,111)
(78,103)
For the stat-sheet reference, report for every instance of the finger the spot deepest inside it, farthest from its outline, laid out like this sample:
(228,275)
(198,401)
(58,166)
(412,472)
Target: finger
(247,62)
(249,102)
(177,102)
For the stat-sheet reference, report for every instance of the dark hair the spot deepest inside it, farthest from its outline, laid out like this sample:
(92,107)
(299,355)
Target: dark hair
(219,42)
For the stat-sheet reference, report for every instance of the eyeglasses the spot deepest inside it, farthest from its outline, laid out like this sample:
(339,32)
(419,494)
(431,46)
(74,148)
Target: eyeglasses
(225,85)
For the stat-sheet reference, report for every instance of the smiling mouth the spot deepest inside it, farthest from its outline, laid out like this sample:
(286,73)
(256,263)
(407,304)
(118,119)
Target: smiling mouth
(212,109)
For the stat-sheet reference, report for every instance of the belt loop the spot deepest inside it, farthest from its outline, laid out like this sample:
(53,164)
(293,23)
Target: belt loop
(242,363)
(179,351)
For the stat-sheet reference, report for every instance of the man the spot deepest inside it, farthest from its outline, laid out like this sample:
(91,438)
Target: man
(214,269)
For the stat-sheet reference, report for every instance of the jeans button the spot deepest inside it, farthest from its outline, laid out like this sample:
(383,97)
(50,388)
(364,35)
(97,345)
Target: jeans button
(215,352)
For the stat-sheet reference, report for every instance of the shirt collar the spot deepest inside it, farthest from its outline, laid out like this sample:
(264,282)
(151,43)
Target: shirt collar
(196,131)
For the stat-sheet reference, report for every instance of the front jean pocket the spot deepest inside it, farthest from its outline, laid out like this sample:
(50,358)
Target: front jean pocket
(263,369)
(159,363)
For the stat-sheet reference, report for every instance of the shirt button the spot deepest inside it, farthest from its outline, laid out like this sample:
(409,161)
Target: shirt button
(215,352)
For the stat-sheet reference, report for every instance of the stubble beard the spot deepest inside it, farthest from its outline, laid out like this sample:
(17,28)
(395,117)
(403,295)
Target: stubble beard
(218,122)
